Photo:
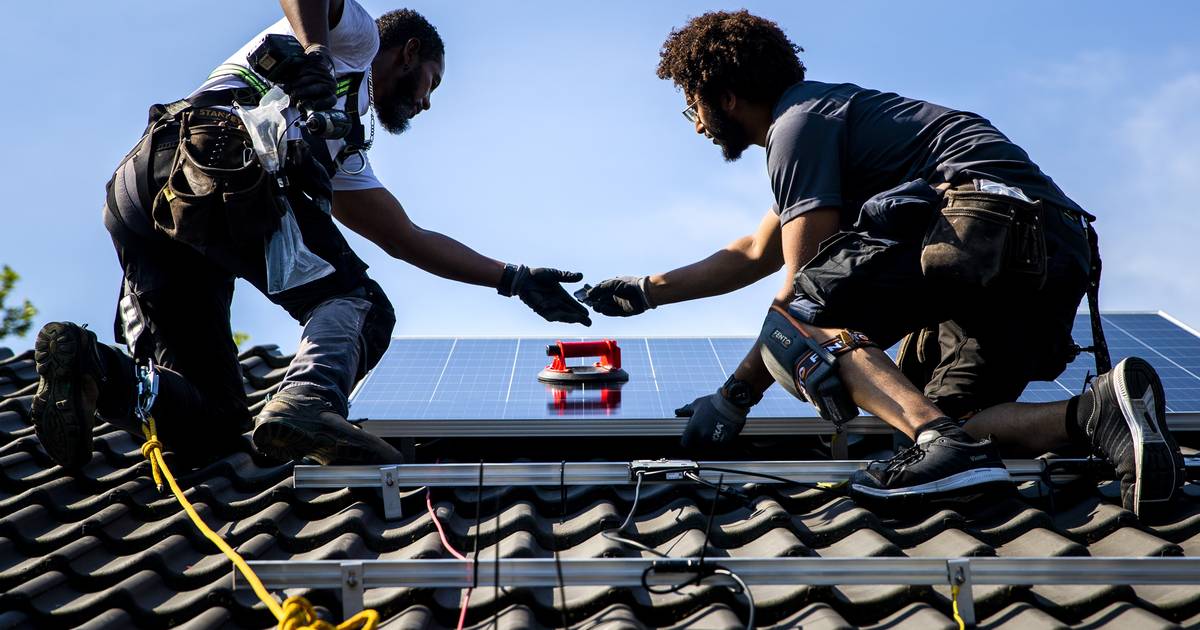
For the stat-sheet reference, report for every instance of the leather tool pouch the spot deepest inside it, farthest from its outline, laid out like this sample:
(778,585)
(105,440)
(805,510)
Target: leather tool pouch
(982,239)
(216,188)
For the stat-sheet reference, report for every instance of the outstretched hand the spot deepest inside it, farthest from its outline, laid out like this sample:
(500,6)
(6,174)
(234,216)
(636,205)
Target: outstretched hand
(618,297)
(541,290)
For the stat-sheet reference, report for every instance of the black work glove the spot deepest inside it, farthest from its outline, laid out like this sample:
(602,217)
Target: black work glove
(712,421)
(541,290)
(619,297)
(313,88)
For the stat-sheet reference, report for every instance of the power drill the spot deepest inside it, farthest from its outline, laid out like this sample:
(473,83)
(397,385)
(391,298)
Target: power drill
(278,59)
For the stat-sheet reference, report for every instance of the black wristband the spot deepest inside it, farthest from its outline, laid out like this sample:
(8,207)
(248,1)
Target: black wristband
(505,287)
(740,392)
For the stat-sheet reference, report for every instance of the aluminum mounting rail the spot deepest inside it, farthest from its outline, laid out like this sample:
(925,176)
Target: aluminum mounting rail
(391,479)
(610,427)
(352,577)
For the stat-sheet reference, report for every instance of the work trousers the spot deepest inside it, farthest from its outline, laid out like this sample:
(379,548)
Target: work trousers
(175,307)
(968,349)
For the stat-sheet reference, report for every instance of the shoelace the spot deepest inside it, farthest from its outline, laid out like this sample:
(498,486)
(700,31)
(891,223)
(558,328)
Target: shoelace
(904,458)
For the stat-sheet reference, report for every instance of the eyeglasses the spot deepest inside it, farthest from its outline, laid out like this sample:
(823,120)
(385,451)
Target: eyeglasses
(691,113)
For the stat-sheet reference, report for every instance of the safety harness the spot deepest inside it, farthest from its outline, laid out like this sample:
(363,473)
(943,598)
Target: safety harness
(1099,347)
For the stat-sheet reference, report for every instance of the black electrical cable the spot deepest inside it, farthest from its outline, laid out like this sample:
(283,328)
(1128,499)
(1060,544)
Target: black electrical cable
(703,569)
(712,512)
(478,518)
(562,504)
(745,590)
(740,496)
(611,534)
(749,473)
(496,566)
(697,577)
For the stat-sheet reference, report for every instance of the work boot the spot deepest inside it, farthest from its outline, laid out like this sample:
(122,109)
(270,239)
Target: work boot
(937,467)
(291,427)
(64,406)
(1124,416)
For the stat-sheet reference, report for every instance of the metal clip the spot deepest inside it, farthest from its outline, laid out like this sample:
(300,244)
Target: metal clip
(958,574)
(362,159)
(147,389)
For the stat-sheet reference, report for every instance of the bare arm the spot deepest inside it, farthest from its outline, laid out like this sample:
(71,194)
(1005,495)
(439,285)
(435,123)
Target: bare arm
(312,19)
(741,263)
(377,215)
(801,238)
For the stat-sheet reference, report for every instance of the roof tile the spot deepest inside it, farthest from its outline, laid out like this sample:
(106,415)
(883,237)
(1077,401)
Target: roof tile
(105,548)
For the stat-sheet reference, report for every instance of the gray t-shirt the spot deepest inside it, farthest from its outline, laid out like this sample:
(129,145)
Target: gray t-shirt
(839,144)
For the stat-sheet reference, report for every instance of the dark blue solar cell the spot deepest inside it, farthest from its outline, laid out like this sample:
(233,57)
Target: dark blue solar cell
(465,378)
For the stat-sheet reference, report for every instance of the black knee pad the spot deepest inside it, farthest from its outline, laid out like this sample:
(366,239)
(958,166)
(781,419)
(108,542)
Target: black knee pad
(806,368)
(377,327)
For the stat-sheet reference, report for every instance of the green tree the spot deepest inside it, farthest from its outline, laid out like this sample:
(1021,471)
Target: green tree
(240,338)
(14,320)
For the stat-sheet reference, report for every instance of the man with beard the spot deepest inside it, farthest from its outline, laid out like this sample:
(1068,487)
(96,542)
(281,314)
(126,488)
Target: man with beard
(886,219)
(191,208)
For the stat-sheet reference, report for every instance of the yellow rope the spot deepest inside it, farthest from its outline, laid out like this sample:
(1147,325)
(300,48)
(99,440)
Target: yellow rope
(296,613)
(954,607)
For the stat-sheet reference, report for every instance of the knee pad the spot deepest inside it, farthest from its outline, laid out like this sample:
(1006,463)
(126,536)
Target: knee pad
(377,327)
(806,368)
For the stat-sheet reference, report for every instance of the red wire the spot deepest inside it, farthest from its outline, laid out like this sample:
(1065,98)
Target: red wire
(436,523)
(462,609)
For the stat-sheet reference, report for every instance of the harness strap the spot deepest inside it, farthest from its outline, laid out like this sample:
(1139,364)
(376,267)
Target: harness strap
(1099,347)
(346,85)
(845,341)
(353,85)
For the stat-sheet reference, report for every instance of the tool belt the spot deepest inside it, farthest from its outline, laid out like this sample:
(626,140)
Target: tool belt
(981,240)
(972,239)
(215,183)
(212,187)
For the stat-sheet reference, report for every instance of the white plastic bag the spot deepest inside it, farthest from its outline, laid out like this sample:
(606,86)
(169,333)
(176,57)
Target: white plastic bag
(265,124)
(289,263)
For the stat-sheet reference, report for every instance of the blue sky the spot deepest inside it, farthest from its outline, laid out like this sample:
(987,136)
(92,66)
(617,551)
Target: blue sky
(551,142)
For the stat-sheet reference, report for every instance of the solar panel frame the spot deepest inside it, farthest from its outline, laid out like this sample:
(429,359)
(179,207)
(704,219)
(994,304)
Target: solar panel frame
(476,386)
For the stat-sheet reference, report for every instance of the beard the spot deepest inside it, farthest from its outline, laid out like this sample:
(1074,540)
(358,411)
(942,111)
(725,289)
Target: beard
(395,109)
(727,133)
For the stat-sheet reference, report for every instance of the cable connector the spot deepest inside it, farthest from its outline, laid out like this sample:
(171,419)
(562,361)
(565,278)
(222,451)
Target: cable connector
(678,565)
(668,469)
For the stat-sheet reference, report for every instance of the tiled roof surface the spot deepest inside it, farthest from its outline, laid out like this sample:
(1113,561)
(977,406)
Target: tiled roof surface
(105,549)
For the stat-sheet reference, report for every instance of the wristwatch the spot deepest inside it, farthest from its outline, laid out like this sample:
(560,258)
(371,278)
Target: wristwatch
(740,392)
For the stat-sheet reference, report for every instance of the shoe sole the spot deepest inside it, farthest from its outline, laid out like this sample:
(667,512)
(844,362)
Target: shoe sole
(957,486)
(1157,461)
(295,439)
(62,425)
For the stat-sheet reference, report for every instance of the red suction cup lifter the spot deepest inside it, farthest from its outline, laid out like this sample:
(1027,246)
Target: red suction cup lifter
(607,369)
(606,349)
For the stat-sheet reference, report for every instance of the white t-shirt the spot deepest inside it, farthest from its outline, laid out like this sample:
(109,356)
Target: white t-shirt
(352,44)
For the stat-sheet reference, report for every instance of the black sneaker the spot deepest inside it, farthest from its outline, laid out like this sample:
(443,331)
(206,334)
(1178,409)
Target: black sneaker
(1128,424)
(936,468)
(291,427)
(64,406)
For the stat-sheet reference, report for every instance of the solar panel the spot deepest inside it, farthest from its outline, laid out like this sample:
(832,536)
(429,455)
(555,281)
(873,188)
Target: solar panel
(467,386)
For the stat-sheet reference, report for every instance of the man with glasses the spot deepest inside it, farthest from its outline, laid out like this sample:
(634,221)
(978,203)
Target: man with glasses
(897,218)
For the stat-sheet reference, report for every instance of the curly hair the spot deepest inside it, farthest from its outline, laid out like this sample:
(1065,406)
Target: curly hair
(397,27)
(735,51)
